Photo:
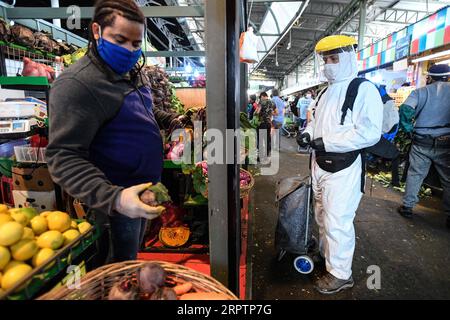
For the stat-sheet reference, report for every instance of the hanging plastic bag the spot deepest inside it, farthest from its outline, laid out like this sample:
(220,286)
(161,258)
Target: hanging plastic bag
(248,46)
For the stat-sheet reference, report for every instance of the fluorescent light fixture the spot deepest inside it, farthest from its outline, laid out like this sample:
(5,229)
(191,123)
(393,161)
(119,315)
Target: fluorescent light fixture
(432,56)
(11,23)
(188,68)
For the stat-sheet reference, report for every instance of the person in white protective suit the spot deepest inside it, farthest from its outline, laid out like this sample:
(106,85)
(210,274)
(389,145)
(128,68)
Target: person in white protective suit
(336,168)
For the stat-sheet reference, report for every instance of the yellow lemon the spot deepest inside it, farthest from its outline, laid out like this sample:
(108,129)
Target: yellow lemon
(5,256)
(28,234)
(12,264)
(42,256)
(3,208)
(84,227)
(45,214)
(30,213)
(39,225)
(14,275)
(74,224)
(21,218)
(51,239)
(70,235)
(10,233)
(24,250)
(59,221)
(5,218)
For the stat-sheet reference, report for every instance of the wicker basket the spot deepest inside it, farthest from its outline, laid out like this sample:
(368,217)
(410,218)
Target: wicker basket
(96,284)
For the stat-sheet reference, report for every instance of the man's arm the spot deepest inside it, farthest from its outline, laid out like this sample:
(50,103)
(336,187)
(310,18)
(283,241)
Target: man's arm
(75,117)
(407,111)
(367,117)
(164,118)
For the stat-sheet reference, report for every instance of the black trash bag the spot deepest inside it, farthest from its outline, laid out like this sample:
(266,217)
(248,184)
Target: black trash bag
(293,231)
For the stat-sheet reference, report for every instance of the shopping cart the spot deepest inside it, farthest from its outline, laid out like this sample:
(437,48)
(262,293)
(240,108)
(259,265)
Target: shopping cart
(289,127)
(293,232)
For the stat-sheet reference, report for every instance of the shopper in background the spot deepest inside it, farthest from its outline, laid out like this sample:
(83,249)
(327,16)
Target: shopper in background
(251,106)
(391,117)
(105,144)
(278,116)
(303,105)
(265,111)
(337,139)
(426,114)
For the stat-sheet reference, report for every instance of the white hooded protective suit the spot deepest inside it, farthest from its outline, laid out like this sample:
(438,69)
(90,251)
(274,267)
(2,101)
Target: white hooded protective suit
(337,195)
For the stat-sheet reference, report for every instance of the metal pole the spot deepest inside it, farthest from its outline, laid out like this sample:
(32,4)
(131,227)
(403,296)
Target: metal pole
(55,4)
(216,100)
(233,18)
(362,23)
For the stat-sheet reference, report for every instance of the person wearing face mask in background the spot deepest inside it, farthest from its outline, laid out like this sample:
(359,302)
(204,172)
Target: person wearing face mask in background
(425,115)
(302,106)
(105,145)
(337,138)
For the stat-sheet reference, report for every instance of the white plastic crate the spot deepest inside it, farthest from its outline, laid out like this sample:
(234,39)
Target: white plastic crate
(30,154)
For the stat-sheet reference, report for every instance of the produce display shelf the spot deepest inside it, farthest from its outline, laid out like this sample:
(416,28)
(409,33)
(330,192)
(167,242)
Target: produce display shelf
(24,83)
(16,46)
(36,280)
(169,164)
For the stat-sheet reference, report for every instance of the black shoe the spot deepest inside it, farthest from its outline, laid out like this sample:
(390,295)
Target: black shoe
(405,211)
(329,284)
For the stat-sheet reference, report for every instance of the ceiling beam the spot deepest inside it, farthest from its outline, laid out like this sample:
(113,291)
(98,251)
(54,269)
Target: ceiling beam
(348,13)
(88,12)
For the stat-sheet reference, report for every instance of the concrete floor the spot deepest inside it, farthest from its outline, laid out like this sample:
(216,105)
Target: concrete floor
(413,255)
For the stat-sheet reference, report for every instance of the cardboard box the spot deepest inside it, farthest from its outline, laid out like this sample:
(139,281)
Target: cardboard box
(41,201)
(38,180)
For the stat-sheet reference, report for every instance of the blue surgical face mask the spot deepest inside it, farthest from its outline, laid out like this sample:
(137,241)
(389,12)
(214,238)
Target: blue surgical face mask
(120,59)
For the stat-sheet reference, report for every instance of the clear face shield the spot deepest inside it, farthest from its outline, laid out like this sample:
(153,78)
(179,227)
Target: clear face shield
(331,64)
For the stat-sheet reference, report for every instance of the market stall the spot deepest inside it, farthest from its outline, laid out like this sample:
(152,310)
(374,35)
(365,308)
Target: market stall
(198,228)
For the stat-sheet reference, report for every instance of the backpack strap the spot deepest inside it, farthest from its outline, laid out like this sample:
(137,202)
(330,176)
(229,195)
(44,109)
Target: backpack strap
(320,96)
(350,97)
(317,100)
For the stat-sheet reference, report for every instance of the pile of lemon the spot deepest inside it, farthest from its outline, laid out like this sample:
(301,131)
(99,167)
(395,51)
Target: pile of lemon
(29,239)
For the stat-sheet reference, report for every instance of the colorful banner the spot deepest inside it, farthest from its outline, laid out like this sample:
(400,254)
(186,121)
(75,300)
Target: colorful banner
(429,33)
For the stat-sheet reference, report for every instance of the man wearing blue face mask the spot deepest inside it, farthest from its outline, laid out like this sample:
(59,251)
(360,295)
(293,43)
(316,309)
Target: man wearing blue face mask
(105,145)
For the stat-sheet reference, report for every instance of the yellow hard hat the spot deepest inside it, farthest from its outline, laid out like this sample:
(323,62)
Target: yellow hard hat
(334,42)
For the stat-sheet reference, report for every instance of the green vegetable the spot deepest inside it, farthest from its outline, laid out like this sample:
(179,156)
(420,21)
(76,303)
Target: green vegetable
(255,122)
(176,104)
(245,123)
(161,192)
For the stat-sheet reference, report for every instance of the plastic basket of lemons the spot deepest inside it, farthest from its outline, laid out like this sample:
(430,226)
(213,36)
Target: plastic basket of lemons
(37,248)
